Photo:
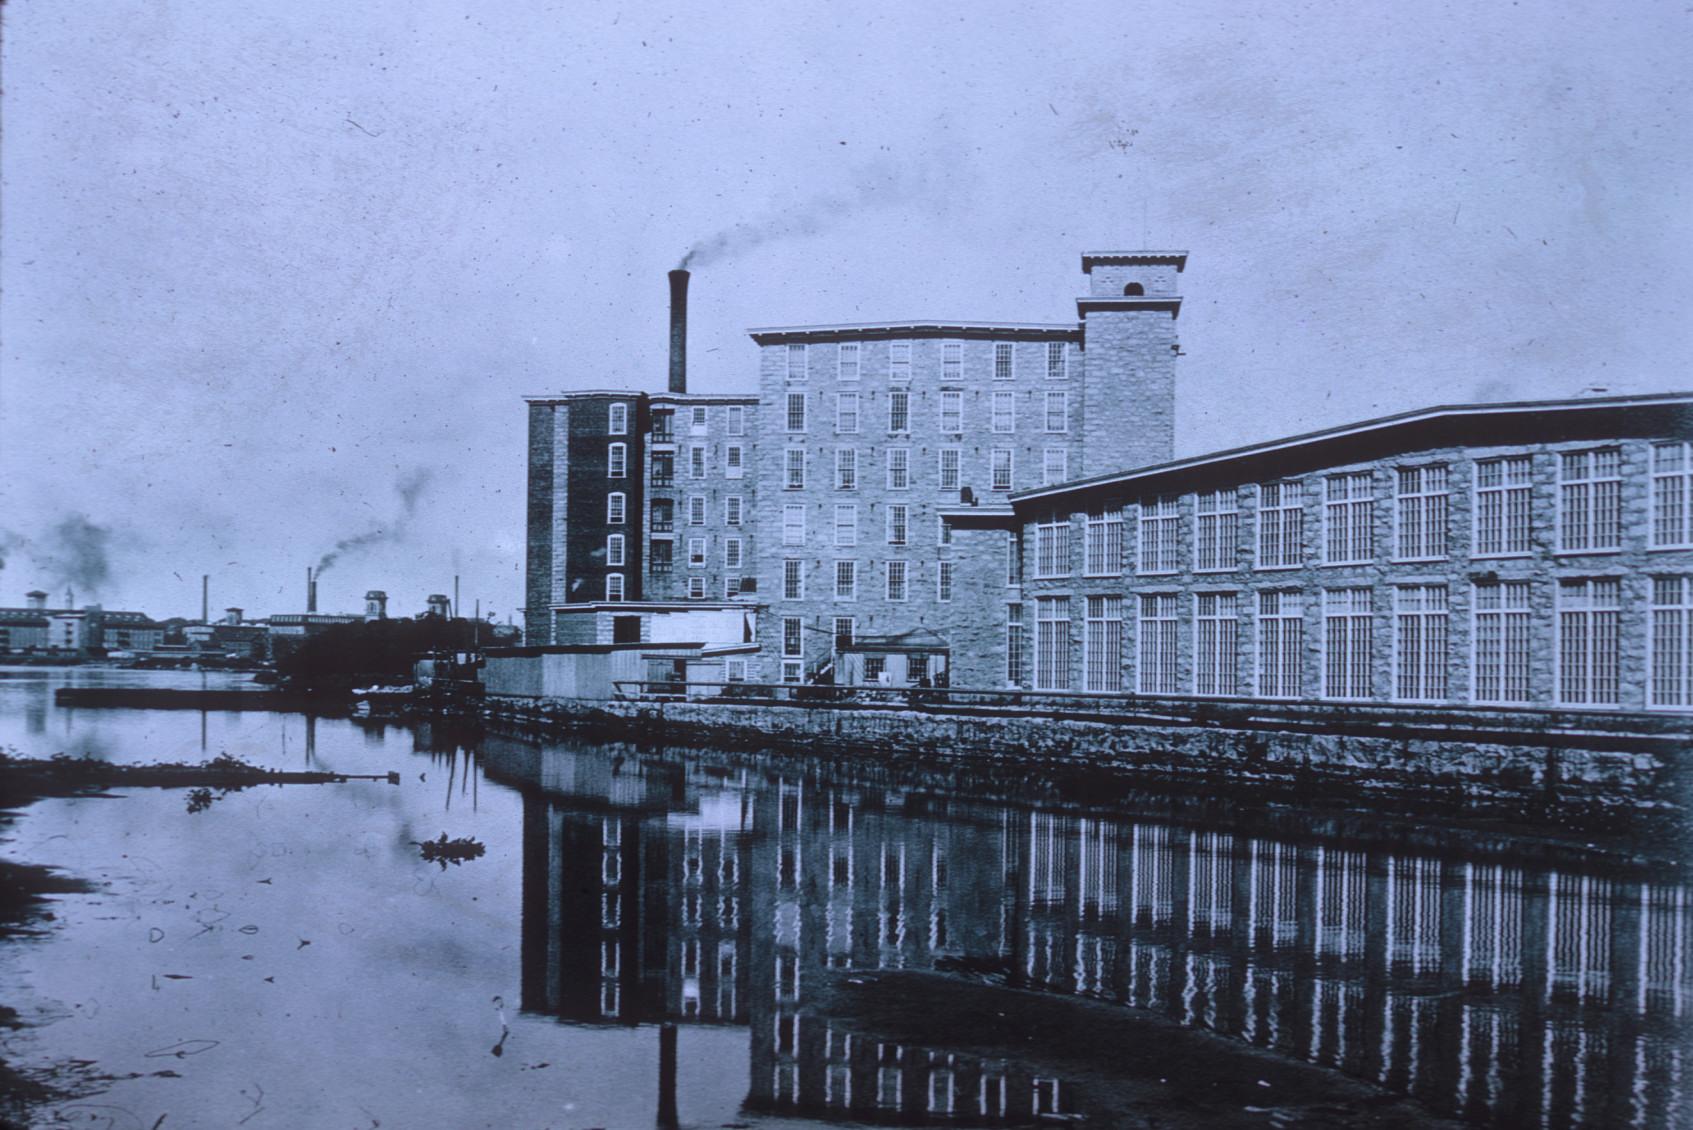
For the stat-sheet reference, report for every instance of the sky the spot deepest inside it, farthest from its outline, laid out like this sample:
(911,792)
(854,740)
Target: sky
(275,278)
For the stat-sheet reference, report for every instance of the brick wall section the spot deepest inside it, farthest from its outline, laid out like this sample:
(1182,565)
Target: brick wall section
(538,561)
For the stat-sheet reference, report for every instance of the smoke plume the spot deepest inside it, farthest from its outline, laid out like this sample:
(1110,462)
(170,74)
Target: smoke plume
(9,542)
(77,551)
(411,487)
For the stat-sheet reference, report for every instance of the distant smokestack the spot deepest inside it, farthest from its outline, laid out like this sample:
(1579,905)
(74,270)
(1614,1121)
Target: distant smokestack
(205,598)
(455,595)
(678,331)
(311,591)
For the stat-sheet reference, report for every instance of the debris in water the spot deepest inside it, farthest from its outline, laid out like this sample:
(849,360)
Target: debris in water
(201,799)
(445,851)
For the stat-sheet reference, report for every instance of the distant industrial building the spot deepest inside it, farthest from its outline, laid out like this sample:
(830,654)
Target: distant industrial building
(36,629)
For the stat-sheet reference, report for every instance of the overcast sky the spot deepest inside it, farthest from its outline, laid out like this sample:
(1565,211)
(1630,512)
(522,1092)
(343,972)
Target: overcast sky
(271,271)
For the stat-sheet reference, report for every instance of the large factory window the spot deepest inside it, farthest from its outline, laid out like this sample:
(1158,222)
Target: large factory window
(615,503)
(614,586)
(619,420)
(617,461)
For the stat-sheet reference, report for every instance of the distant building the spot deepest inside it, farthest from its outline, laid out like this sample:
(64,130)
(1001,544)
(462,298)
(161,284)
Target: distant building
(36,629)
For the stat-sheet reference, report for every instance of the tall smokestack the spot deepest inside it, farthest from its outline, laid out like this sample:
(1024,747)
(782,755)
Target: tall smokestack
(311,591)
(205,598)
(678,331)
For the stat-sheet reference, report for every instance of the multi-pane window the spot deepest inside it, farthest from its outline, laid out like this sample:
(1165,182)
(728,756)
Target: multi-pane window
(617,461)
(899,411)
(1672,495)
(952,360)
(1160,528)
(696,420)
(618,421)
(793,579)
(1281,644)
(846,630)
(696,553)
(737,419)
(1004,412)
(1216,641)
(1347,643)
(899,468)
(796,362)
(1419,527)
(732,553)
(1058,411)
(614,549)
(1589,643)
(732,510)
(664,515)
(899,361)
(1015,670)
(943,581)
(1503,620)
(696,461)
(734,461)
(1348,519)
(1013,558)
(793,635)
(1055,466)
(696,510)
(898,524)
(1052,643)
(1671,677)
(1590,500)
(952,410)
(1055,361)
(1503,489)
(614,586)
(846,468)
(949,460)
(1103,547)
(1003,361)
(1102,644)
(1281,525)
(1052,548)
(615,504)
(1420,642)
(1000,468)
(1216,532)
(849,361)
(846,524)
(793,467)
(731,587)
(795,418)
(660,555)
(846,580)
(793,524)
(943,531)
(696,588)
(664,468)
(664,426)
(846,413)
(793,671)
(1159,621)
(896,580)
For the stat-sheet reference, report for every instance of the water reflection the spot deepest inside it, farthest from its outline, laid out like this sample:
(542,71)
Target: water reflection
(1497,990)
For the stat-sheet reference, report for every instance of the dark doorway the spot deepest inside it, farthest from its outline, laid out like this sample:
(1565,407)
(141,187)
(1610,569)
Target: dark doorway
(625,629)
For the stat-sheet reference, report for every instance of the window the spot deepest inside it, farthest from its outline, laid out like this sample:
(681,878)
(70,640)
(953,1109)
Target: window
(737,427)
(846,524)
(1502,629)
(696,424)
(660,554)
(793,524)
(1056,360)
(1672,495)
(1103,553)
(1015,672)
(731,553)
(899,411)
(952,360)
(896,580)
(732,510)
(1281,526)
(794,468)
(735,670)
(1004,412)
(1348,519)
(696,588)
(1102,643)
(1502,490)
(1158,626)
(1052,643)
(899,468)
(1419,642)
(696,510)
(614,549)
(614,586)
(1590,500)
(1589,611)
(1052,547)
(796,362)
(845,632)
(846,580)
(793,671)
(1013,557)
(1419,525)
(943,532)
(899,361)
(664,515)
(1281,644)
(1055,466)
(1347,643)
(1216,535)
(1671,677)
(898,526)
(1057,412)
(664,468)
(846,413)
(874,666)
(949,463)
(614,507)
(1003,361)
(617,461)
(734,461)
(795,417)
(793,579)
(696,461)
(1160,526)
(848,370)
(618,422)
(1216,666)
(846,468)
(664,426)
(793,629)
(952,410)
(696,553)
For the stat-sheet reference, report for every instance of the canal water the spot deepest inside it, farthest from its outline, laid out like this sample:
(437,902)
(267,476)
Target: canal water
(287,957)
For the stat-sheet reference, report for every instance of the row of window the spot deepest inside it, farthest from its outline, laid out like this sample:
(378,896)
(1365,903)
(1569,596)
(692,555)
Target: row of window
(661,553)
(897,520)
(898,579)
(664,463)
(664,512)
(1588,649)
(849,364)
(664,421)
(1589,519)
(950,416)
(949,467)
(615,587)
